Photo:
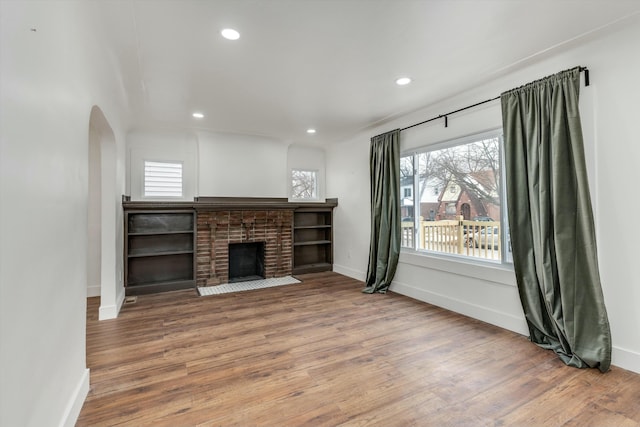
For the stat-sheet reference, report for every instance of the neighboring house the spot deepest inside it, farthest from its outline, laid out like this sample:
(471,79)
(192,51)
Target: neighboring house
(429,202)
(406,194)
(450,201)
(438,203)
(457,199)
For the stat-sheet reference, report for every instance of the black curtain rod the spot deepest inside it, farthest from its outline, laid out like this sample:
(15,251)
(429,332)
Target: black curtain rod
(446,120)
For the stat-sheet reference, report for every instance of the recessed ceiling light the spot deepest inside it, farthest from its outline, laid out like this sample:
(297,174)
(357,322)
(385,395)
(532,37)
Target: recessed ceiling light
(230,34)
(198,115)
(403,81)
(311,131)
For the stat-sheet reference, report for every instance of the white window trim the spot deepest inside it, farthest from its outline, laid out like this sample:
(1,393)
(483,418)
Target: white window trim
(316,173)
(452,262)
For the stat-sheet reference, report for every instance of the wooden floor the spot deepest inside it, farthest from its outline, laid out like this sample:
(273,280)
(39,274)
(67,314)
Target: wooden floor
(321,353)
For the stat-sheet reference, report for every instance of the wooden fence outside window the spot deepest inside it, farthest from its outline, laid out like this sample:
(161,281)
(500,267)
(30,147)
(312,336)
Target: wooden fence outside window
(480,239)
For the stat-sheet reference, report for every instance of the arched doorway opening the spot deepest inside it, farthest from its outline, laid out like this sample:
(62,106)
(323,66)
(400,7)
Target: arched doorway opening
(102,270)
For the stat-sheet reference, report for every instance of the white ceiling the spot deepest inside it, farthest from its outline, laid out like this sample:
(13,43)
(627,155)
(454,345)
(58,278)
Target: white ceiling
(325,64)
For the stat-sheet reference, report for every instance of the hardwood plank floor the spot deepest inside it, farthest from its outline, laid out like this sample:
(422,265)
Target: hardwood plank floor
(321,353)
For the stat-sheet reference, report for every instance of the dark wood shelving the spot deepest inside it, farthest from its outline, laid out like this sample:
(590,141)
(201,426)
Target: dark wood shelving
(151,233)
(314,268)
(151,254)
(143,288)
(159,250)
(160,238)
(312,239)
(313,242)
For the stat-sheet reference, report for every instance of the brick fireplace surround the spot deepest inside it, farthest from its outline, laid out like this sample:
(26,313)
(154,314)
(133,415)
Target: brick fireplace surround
(217,229)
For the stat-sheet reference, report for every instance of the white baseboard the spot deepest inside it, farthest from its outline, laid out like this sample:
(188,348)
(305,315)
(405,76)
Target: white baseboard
(350,272)
(93,291)
(625,359)
(494,317)
(72,411)
(106,312)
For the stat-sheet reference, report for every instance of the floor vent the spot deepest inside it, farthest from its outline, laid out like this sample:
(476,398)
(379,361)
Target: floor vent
(132,299)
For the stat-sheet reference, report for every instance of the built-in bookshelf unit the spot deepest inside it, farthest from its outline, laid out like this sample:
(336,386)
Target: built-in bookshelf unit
(179,245)
(159,251)
(312,239)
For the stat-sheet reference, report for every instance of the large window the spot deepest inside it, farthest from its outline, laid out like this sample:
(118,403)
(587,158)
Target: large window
(455,205)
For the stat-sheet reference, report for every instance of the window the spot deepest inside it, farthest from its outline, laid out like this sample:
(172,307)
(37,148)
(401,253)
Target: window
(457,203)
(162,179)
(407,192)
(304,184)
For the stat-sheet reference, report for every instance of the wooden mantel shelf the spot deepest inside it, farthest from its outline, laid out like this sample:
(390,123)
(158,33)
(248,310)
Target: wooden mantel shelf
(227,203)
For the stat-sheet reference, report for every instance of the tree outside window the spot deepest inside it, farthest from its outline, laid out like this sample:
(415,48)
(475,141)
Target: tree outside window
(304,184)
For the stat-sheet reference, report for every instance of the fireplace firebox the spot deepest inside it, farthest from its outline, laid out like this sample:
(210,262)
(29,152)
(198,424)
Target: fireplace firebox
(246,261)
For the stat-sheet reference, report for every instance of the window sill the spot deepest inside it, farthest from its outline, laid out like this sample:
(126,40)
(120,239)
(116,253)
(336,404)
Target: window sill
(165,198)
(318,200)
(491,272)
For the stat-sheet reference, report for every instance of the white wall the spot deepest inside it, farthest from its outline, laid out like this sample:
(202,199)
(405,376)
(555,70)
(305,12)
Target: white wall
(49,81)
(180,146)
(214,164)
(609,109)
(241,166)
(94,217)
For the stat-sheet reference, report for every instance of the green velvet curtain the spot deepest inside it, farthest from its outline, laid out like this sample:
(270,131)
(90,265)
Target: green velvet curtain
(384,249)
(551,221)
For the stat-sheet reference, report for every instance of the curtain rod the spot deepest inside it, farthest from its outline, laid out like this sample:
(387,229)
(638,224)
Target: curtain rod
(446,120)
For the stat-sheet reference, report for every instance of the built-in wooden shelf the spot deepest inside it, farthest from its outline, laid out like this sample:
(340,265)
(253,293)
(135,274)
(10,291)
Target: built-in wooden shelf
(312,239)
(159,250)
(159,233)
(160,238)
(149,254)
(227,203)
(313,268)
(313,242)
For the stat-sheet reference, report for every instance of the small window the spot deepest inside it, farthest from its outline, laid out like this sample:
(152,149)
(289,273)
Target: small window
(162,179)
(304,184)
(407,192)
